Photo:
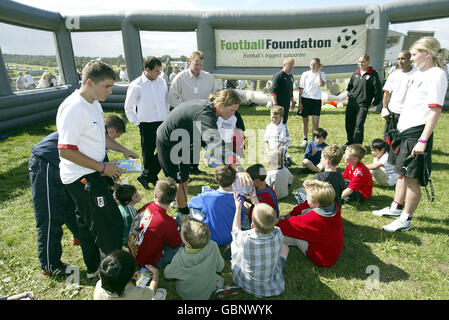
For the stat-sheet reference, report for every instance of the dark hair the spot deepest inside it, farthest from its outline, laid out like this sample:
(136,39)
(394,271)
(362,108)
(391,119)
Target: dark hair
(124,193)
(116,122)
(166,190)
(116,270)
(224,175)
(319,132)
(97,71)
(151,62)
(257,171)
(379,144)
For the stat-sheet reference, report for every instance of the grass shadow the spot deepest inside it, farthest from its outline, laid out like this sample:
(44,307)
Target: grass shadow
(13,181)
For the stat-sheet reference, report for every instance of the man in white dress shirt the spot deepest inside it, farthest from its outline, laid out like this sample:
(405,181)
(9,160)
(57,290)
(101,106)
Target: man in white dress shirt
(146,106)
(191,84)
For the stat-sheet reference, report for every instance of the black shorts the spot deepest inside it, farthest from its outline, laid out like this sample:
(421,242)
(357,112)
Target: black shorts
(310,107)
(413,167)
(178,171)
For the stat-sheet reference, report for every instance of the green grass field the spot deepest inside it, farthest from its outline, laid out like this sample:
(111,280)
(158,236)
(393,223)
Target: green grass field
(410,265)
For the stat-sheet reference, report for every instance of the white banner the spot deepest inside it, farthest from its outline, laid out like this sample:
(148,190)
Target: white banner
(268,48)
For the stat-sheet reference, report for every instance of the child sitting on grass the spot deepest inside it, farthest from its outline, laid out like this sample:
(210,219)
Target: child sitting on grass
(330,158)
(382,171)
(218,206)
(127,196)
(265,194)
(195,266)
(116,272)
(278,177)
(154,237)
(312,155)
(359,182)
(256,262)
(315,226)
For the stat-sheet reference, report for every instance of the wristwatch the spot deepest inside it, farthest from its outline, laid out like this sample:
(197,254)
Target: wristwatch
(239,169)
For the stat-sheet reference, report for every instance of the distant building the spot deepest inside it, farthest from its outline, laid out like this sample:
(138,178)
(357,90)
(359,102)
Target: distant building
(397,41)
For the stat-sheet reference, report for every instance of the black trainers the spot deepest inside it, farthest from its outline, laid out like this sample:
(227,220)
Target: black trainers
(61,271)
(196,171)
(143,181)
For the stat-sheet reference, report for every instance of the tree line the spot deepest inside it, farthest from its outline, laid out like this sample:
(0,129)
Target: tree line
(50,61)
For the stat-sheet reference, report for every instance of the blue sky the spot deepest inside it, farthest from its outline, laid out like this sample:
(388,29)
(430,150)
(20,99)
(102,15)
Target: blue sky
(15,40)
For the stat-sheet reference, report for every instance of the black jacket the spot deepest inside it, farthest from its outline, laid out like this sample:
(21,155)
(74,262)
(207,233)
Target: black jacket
(363,89)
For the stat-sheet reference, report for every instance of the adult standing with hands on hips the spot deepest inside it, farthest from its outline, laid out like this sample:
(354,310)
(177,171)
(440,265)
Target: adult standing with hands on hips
(363,89)
(310,97)
(82,146)
(195,122)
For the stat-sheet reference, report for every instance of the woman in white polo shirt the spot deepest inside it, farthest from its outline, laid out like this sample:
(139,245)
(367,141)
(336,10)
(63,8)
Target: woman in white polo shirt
(310,97)
(422,109)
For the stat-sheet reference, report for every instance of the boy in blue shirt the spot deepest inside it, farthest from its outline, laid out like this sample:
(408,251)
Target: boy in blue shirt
(312,156)
(218,206)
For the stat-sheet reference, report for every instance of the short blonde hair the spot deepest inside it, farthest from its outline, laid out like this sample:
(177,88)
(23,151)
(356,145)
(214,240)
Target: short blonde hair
(288,60)
(320,191)
(432,45)
(277,110)
(333,153)
(198,54)
(356,150)
(264,218)
(166,190)
(195,232)
(274,159)
(366,56)
(228,97)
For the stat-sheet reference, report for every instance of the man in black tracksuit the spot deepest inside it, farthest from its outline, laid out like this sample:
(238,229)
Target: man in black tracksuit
(53,207)
(364,89)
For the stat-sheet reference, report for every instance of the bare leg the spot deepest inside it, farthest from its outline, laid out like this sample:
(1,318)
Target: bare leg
(400,190)
(310,165)
(315,122)
(413,195)
(305,126)
(181,196)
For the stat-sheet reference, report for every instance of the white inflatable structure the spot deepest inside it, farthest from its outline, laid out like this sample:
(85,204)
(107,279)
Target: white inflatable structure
(249,97)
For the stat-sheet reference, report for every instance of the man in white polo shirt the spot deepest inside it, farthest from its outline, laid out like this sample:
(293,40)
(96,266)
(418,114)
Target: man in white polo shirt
(147,108)
(395,90)
(192,84)
(82,148)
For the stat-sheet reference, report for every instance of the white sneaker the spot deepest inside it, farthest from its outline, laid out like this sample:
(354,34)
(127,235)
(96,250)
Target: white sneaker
(174,204)
(387,212)
(304,144)
(397,225)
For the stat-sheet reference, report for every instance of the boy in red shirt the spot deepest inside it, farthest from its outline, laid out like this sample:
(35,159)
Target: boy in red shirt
(359,182)
(315,226)
(154,237)
(265,194)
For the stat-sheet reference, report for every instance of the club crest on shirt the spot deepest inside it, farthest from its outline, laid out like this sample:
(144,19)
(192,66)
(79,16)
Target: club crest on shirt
(100,201)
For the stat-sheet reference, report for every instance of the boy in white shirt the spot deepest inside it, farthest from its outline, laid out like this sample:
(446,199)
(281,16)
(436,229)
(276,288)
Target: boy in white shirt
(382,171)
(276,133)
(278,177)
(82,146)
